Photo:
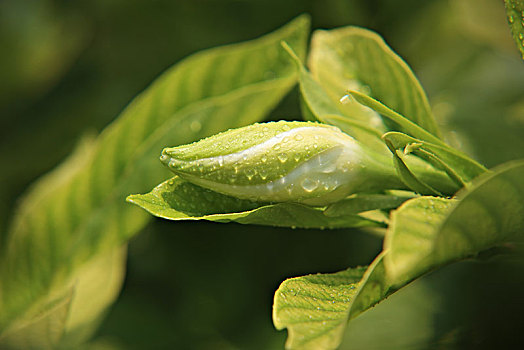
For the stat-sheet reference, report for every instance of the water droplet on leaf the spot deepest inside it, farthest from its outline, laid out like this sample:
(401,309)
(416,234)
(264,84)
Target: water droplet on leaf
(195,126)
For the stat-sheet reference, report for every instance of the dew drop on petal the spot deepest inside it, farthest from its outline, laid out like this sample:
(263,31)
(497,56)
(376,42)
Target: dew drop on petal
(263,173)
(282,157)
(309,185)
(329,168)
(250,173)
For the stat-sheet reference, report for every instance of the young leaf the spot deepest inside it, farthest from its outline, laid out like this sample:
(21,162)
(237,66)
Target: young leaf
(59,228)
(515,12)
(453,162)
(354,58)
(410,179)
(404,123)
(425,233)
(177,199)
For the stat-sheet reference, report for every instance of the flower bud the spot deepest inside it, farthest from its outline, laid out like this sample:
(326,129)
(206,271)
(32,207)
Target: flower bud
(282,161)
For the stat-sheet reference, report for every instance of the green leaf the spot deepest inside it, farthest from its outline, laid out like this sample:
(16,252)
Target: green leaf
(460,161)
(317,106)
(177,199)
(408,177)
(352,58)
(72,318)
(404,123)
(453,161)
(515,13)
(490,214)
(425,233)
(80,212)
(314,308)
(364,202)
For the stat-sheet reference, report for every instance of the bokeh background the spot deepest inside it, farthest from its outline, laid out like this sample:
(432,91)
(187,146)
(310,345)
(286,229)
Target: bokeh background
(67,68)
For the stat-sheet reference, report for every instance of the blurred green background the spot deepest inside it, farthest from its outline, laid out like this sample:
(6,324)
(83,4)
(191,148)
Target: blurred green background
(67,68)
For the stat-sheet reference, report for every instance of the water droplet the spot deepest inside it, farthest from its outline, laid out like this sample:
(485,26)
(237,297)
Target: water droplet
(315,146)
(289,188)
(276,146)
(220,161)
(286,127)
(195,126)
(286,139)
(309,185)
(521,36)
(170,182)
(263,159)
(250,173)
(345,99)
(296,157)
(329,168)
(263,173)
(282,157)
(299,137)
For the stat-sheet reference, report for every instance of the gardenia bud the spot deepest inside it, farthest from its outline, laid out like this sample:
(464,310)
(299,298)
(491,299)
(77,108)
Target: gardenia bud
(306,162)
